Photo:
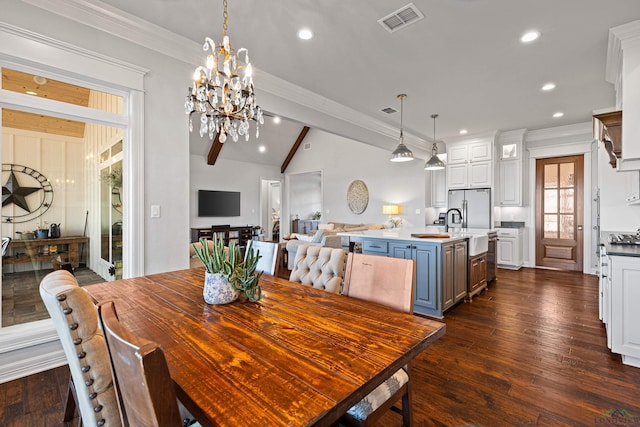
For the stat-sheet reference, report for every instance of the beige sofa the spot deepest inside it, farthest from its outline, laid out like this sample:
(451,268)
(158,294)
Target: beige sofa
(326,236)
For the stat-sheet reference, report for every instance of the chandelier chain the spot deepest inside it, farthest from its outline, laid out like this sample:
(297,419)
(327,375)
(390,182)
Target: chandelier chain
(226,19)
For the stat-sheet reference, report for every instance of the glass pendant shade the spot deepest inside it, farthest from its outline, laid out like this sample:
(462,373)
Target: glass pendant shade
(402,152)
(434,163)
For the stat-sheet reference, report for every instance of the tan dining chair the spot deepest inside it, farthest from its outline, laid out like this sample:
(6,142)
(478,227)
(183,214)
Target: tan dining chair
(143,380)
(387,281)
(269,256)
(91,386)
(194,261)
(320,267)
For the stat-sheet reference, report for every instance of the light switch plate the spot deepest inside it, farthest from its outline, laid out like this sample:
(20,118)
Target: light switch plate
(418,211)
(155,211)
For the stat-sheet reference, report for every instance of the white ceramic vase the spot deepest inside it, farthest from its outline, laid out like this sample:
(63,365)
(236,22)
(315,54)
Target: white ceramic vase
(218,290)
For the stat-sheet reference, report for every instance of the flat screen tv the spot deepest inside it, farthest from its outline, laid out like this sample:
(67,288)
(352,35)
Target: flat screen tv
(218,203)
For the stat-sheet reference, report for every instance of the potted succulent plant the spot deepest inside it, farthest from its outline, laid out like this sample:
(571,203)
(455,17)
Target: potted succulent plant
(228,273)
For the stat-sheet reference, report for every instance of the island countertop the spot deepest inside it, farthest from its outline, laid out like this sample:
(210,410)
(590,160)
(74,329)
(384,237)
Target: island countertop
(405,234)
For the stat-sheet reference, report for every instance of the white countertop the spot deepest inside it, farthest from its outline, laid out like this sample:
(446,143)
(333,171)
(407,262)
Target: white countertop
(405,234)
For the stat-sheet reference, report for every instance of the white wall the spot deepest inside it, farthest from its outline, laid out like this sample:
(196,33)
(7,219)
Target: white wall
(227,175)
(342,161)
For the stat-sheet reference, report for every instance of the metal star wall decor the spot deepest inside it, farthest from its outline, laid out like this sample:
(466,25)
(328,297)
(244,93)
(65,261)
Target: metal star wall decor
(15,192)
(12,192)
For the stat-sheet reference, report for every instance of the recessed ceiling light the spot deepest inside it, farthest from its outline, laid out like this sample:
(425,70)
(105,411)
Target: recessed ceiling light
(558,114)
(530,36)
(548,86)
(39,80)
(463,131)
(276,119)
(305,34)
(30,92)
(262,148)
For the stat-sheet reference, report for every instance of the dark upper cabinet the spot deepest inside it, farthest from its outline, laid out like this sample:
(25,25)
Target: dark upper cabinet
(607,128)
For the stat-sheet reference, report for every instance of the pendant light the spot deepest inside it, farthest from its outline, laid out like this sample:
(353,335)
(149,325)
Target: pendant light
(402,152)
(434,163)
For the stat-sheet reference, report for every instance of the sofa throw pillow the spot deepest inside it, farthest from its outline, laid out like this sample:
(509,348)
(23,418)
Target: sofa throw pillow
(304,237)
(325,226)
(317,238)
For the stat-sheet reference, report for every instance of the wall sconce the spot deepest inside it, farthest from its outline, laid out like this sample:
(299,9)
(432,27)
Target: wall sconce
(392,210)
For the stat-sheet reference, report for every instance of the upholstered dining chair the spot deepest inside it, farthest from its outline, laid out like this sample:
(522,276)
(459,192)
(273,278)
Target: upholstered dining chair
(75,317)
(5,244)
(194,261)
(269,256)
(142,375)
(320,267)
(388,281)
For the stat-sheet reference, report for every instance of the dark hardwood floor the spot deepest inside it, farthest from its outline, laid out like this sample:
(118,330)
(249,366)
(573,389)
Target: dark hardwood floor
(529,351)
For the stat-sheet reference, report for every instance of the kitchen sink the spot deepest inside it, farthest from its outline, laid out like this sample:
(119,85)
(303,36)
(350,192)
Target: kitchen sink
(478,238)
(478,244)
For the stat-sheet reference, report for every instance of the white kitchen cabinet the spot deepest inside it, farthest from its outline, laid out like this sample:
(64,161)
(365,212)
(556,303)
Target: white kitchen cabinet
(604,286)
(469,164)
(510,183)
(625,308)
(480,174)
(457,153)
(632,187)
(439,189)
(457,175)
(510,168)
(509,248)
(480,151)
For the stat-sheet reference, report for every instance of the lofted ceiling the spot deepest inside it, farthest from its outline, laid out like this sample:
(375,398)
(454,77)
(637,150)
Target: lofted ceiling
(464,60)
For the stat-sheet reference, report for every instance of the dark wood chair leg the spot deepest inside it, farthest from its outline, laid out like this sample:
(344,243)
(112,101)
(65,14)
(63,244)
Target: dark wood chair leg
(71,405)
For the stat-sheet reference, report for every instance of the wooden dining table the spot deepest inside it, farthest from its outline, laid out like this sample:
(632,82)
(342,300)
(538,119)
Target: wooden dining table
(300,356)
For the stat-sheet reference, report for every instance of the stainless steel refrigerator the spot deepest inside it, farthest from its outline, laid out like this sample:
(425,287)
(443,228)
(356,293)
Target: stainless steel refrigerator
(475,205)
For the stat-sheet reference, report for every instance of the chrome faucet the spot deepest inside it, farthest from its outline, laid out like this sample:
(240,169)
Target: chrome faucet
(446,218)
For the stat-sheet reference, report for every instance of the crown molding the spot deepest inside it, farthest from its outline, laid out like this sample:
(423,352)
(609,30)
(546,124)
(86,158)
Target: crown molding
(512,136)
(55,53)
(619,37)
(489,135)
(131,28)
(111,20)
(578,131)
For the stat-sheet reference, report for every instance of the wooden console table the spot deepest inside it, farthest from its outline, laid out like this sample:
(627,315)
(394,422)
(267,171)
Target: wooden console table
(238,234)
(72,251)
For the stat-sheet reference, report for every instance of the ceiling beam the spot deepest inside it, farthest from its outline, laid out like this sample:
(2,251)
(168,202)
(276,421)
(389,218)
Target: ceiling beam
(293,150)
(214,151)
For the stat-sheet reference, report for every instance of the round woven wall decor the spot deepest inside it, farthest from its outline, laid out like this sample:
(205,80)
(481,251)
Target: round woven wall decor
(357,197)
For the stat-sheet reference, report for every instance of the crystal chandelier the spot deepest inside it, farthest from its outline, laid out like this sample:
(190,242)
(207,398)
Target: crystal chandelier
(434,163)
(222,91)
(402,152)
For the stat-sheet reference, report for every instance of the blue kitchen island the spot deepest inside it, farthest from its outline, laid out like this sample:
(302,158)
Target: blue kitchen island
(440,258)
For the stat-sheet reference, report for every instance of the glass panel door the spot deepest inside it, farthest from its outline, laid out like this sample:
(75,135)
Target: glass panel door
(559,186)
(111,208)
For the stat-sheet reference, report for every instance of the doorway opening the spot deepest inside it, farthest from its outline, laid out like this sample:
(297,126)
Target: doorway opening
(270,209)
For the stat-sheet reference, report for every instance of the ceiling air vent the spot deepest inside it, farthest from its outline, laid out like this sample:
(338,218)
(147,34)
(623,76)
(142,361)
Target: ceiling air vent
(401,18)
(389,110)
